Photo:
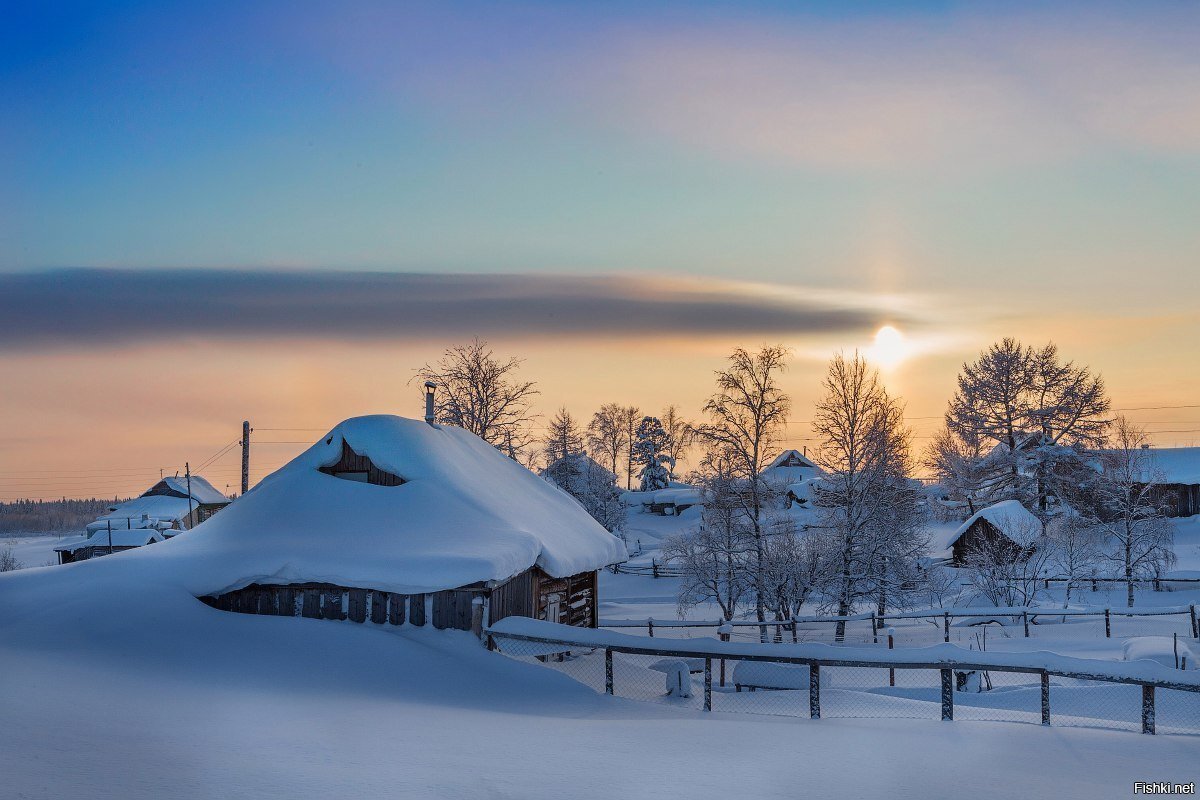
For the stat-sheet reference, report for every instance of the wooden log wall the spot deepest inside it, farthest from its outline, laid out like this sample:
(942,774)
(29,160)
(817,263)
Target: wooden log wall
(526,595)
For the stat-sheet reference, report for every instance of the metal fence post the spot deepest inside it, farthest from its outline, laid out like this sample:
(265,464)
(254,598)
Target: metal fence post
(1107,624)
(947,694)
(708,684)
(874,628)
(946,624)
(1025,619)
(814,691)
(1148,709)
(608,671)
(1195,629)
(1045,698)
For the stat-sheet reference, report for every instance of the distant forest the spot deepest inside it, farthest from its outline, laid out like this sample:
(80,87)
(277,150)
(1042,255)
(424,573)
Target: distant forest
(50,516)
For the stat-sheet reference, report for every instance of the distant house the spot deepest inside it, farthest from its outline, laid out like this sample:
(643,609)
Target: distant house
(106,542)
(669,502)
(404,522)
(1174,475)
(173,504)
(578,472)
(1007,522)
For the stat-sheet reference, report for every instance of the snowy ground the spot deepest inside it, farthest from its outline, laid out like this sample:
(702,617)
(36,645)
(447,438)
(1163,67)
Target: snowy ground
(114,682)
(37,550)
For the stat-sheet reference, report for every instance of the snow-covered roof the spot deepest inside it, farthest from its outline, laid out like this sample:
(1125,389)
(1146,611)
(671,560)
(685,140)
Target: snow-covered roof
(1009,517)
(579,462)
(202,491)
(1173,464)
(121,537)
(464,513)
(143,512)
(790,467)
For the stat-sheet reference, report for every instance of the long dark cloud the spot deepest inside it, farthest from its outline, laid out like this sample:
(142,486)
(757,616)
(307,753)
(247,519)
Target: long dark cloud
(104,307)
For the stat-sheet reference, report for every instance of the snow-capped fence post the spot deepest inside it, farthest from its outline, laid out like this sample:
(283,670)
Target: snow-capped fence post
(1045,698)
(608,671)
(654,566)
(1025,619)
(874,628)
(723,633)
(708,684)
(946,625)
(1148,709)
(1195,628)
(1107,624)
(814,691)
(1175,647)
(795,638)
(650,625)
(947,694)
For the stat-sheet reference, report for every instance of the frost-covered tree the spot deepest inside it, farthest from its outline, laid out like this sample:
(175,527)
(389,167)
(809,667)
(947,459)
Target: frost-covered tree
(483,394)
(717,561)
(1139,539)
(563,437)
(746,417)
(869,509)
(8,561)
(1041,415)
(957,463)
(630,419)
(592,486)
(1076,547)
(651,450)
(794,567)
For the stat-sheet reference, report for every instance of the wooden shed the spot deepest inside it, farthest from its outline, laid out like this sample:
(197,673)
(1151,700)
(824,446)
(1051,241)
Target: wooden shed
(1008,524)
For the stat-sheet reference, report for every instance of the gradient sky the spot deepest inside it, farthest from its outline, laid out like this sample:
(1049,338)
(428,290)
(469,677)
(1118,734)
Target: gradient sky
(214,211)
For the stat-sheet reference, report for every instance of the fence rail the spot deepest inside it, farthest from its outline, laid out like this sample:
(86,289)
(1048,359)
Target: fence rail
(1025,615)
(816,680)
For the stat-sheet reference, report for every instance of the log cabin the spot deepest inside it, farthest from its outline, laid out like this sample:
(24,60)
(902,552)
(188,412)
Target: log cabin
(1008,524)
(403,522)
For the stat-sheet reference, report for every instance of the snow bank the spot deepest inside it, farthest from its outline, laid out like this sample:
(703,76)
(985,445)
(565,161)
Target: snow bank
(765,675)
(465,513)
(1159,649)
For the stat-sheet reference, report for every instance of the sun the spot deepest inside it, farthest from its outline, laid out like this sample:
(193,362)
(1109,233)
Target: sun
(889,349)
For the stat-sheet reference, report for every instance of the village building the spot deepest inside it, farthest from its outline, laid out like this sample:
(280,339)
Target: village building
(172,505)
(1173,474)
(1007,523)
(398,521)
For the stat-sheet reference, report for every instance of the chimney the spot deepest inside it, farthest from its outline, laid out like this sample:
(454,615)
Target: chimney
(429,387)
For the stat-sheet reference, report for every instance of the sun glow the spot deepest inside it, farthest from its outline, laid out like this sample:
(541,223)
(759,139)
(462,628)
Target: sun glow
(889,349)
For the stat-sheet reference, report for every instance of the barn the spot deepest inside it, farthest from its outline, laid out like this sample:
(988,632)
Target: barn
(398,521)
(1007,521)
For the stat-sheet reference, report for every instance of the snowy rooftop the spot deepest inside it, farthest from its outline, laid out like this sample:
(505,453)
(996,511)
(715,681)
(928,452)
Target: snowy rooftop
(465,513)
(1174,464)
(121,537)
(790,467)
(202,491)
(143,512)
(1010,518)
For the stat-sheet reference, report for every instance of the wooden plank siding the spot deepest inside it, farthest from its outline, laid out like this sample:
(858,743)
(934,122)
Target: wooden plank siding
(353,462)
(525,595)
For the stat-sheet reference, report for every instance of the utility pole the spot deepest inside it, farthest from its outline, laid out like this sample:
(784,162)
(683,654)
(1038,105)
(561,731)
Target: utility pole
(188,471)
(245,456)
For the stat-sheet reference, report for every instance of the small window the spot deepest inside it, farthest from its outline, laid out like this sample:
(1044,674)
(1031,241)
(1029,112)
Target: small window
(359,468)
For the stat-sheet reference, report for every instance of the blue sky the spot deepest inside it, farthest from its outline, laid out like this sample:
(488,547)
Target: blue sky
(961,170)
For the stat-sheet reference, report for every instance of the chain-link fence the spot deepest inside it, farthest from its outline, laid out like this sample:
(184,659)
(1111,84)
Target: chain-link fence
(655,672)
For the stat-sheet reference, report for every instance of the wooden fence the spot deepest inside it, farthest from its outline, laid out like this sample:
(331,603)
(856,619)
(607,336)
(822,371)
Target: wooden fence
(502,638)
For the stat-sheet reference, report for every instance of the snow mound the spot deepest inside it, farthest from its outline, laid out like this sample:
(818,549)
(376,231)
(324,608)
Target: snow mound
(1160,649)
(464,513)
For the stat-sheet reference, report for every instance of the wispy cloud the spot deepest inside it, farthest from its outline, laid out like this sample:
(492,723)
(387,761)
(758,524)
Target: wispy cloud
(93,307)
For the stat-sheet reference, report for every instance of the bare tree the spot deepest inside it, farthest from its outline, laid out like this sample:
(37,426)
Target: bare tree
(563,437)
(1140,539)
(630,418)
(8,561)
(680,432)
(607,435)
(869,509)
(794,567)
(746,417)
(478,392)
(717,560)
(1076,547)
